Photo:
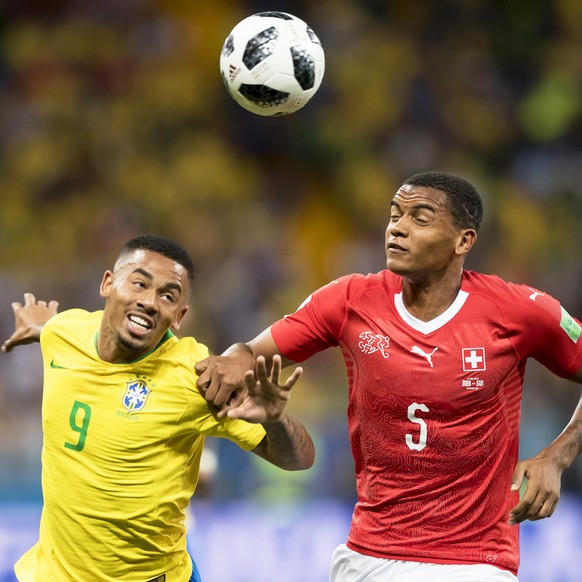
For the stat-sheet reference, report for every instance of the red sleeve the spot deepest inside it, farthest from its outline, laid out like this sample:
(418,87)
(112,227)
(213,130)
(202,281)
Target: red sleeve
(316,325)
(549,333)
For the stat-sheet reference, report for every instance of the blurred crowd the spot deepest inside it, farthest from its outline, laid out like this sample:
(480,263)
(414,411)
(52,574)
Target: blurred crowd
(114,122)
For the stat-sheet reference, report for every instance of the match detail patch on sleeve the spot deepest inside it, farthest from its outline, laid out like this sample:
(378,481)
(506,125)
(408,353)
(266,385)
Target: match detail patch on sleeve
(570,326)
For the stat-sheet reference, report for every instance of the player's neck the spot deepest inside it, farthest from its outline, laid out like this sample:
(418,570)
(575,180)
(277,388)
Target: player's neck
(110,348)
(111,353)
(428,299)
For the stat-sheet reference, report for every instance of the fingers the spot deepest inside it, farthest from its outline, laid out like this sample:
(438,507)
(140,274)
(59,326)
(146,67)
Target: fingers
(262,373)
(518,476)
(30,302)
(200,368)
(518,513)
(16,306)
(208,383)
(264,378)
(219,379)
(235,401)
(220,395)
(537,509)
(545,510)
(29,317)
(233,408)
(211,390)
(297,373)
(276,369)
(536,504)
(6,346)
(250,380)
(29,299)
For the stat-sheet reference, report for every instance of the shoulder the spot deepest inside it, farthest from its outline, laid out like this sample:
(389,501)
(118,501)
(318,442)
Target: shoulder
(516,301)
(74,327)
(347,290)
(357,283)
(174,363)
(497,289)
(73,319)
(187,346)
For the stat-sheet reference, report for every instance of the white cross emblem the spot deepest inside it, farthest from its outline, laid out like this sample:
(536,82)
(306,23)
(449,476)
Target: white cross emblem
(474,359)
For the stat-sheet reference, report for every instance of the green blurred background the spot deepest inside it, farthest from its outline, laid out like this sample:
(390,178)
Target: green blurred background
(114,122)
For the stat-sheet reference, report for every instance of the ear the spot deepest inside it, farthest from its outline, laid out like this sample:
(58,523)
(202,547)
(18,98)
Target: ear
(179,318)
(106,284)
(467,239)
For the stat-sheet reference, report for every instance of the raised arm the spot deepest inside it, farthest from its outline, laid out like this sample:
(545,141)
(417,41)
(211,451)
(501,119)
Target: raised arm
(544,471)
(287,443)
(29,319)
(222,378)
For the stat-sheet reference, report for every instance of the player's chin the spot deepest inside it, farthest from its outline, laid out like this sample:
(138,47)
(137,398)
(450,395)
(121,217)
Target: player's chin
(397,266)
(135,342)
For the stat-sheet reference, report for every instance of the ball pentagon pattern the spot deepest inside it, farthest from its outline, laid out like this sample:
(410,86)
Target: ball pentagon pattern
(272,63)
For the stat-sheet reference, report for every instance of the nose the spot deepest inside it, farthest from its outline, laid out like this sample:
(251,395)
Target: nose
(147,301)
(397,227)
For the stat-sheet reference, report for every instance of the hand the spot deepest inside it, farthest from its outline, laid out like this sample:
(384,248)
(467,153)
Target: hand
(221,379)
(266,400)
(29,319)
(543,488)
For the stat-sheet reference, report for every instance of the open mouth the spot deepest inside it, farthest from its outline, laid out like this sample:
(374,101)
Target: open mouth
(139,324)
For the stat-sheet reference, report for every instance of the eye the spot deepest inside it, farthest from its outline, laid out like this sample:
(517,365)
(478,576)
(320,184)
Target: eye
(139,283)
(395,217)
(169,297)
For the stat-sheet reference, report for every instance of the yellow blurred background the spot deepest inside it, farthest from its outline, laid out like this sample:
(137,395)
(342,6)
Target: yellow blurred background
(114,122)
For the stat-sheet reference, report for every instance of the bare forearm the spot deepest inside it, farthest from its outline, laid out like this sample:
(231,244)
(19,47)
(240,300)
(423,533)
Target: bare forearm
(569,444)
(287,445)
(238,348)
(262,345)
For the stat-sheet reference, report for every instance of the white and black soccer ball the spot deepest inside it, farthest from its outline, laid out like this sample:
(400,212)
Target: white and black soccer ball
(272,63)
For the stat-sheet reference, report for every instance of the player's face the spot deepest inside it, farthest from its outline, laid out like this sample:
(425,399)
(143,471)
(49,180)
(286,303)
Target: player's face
(146,294)
(421,240)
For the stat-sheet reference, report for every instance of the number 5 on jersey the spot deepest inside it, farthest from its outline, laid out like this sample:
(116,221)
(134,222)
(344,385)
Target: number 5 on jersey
(420,442)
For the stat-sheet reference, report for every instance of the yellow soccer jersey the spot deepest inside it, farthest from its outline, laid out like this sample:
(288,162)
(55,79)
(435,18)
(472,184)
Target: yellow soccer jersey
(120,459)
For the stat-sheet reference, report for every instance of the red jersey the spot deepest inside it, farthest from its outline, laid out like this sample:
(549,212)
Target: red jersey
(434,408)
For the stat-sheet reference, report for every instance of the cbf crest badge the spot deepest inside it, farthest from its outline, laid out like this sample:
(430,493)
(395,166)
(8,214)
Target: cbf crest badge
(136,395)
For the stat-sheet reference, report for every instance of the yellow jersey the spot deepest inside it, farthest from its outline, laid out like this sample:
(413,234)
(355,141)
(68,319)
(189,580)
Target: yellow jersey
(120,458)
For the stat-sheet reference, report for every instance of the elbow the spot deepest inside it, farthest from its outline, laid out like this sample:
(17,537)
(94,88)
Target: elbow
(300,463)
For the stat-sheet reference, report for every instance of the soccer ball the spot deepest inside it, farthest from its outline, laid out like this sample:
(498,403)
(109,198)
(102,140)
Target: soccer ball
(272,63)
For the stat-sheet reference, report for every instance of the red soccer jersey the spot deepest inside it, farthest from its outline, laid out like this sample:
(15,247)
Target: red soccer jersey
(434,408)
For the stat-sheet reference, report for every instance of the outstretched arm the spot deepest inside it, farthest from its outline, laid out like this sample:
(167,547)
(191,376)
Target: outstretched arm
(544,471)
(29,319)
(222,378)
(287,443)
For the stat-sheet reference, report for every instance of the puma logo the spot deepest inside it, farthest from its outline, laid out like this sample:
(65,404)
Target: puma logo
(421,352)
(535,294)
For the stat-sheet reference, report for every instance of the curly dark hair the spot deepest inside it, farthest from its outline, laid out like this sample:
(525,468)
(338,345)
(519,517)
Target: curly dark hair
(463,198)
(163,246)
